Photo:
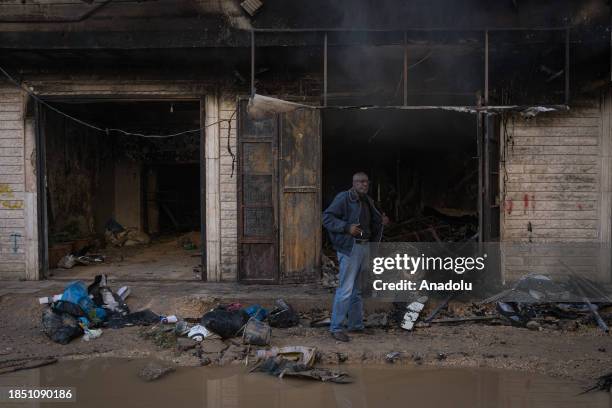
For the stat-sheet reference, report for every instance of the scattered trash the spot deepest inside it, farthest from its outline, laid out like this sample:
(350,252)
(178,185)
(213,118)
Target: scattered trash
(412,313)
(60,327)
(141,318)
(136,237)
(181,328)
(324,322)
(91,334)
(49,299)
(256,332)
(70,260)
(225,323)
(283,315)
(281,367)
(67,262)
(104,297)
(198,333)
(116,235)
(124,292)
(393,356)
(329,273)
(168,319)
(257,312)
(301,354)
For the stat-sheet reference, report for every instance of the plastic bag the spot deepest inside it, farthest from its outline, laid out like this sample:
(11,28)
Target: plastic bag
(225,323)
(283,315)
(60,327)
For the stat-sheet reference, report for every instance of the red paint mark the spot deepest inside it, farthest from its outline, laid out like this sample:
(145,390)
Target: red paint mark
(509,205)
(525,203)
(579,206)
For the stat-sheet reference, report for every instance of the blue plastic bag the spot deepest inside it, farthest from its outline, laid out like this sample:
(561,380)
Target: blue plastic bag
(76,293)
(257,312)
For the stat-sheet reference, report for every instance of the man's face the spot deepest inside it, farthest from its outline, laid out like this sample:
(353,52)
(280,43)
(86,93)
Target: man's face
(361,184)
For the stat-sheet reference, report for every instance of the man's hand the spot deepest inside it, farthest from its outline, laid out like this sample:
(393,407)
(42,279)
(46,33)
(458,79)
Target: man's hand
(355,230)
(385,219)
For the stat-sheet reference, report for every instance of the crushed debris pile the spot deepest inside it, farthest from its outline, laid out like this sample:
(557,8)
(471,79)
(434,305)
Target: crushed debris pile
(433,228)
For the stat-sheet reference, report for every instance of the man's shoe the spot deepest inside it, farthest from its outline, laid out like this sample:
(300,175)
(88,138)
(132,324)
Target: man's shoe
(340,336)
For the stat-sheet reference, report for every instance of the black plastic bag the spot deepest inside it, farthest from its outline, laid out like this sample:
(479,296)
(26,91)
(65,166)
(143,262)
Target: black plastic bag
(141,318)
(283,315)
(225,323)
(60,327)
(70,308)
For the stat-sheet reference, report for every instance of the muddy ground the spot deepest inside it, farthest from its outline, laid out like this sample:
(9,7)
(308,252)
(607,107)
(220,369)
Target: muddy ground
(576,352)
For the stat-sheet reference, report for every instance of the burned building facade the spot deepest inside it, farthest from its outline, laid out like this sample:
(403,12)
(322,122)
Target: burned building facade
(493,115)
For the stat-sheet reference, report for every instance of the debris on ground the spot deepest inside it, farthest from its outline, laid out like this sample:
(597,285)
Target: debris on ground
(413,311)
(256,311)
(154,370)
(393,356)
(256,332)
(90,334)
(301,354)
(189,241)
(283,315)
(376,320)
(329,273)
(60,327)
(536,301)
(198,333)
(281,367)
(141,318)
(604,383)
(118,236)
(433,226)
(226,323)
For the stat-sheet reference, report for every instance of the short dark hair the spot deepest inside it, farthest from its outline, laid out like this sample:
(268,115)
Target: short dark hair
(359,173)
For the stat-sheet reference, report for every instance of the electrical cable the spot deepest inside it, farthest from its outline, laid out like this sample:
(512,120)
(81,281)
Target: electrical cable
(100,129)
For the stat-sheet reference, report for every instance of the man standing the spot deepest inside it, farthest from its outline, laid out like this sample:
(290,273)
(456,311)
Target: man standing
(352,221)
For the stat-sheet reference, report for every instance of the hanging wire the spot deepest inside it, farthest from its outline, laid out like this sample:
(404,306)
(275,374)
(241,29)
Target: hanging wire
(24,88)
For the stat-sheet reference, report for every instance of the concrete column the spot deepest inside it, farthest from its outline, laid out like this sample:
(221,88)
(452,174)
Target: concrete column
(32,267)
(213,207)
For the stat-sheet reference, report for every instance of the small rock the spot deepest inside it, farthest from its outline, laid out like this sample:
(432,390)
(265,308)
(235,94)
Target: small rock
(533,325)
(213,346)
(342,357)
(204,361)
(602,349)
(184,344)
(154,370)
(441,356)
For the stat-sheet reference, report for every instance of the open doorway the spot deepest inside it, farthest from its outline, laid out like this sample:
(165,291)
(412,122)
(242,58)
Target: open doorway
(423,168)
(131,205)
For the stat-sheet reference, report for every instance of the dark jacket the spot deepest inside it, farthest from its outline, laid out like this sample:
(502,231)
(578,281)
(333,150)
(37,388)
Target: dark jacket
(342,213)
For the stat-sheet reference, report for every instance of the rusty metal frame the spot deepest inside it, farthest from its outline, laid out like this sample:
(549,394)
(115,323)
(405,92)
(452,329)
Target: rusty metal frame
(405,31)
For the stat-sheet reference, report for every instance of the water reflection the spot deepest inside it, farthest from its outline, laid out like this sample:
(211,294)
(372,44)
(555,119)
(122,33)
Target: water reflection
(114,382)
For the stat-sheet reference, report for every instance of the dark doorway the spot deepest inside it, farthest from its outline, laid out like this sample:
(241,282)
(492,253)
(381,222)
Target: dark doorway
(134,199)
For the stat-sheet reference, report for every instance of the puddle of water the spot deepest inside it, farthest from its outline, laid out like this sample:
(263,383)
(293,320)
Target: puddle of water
(114,382)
